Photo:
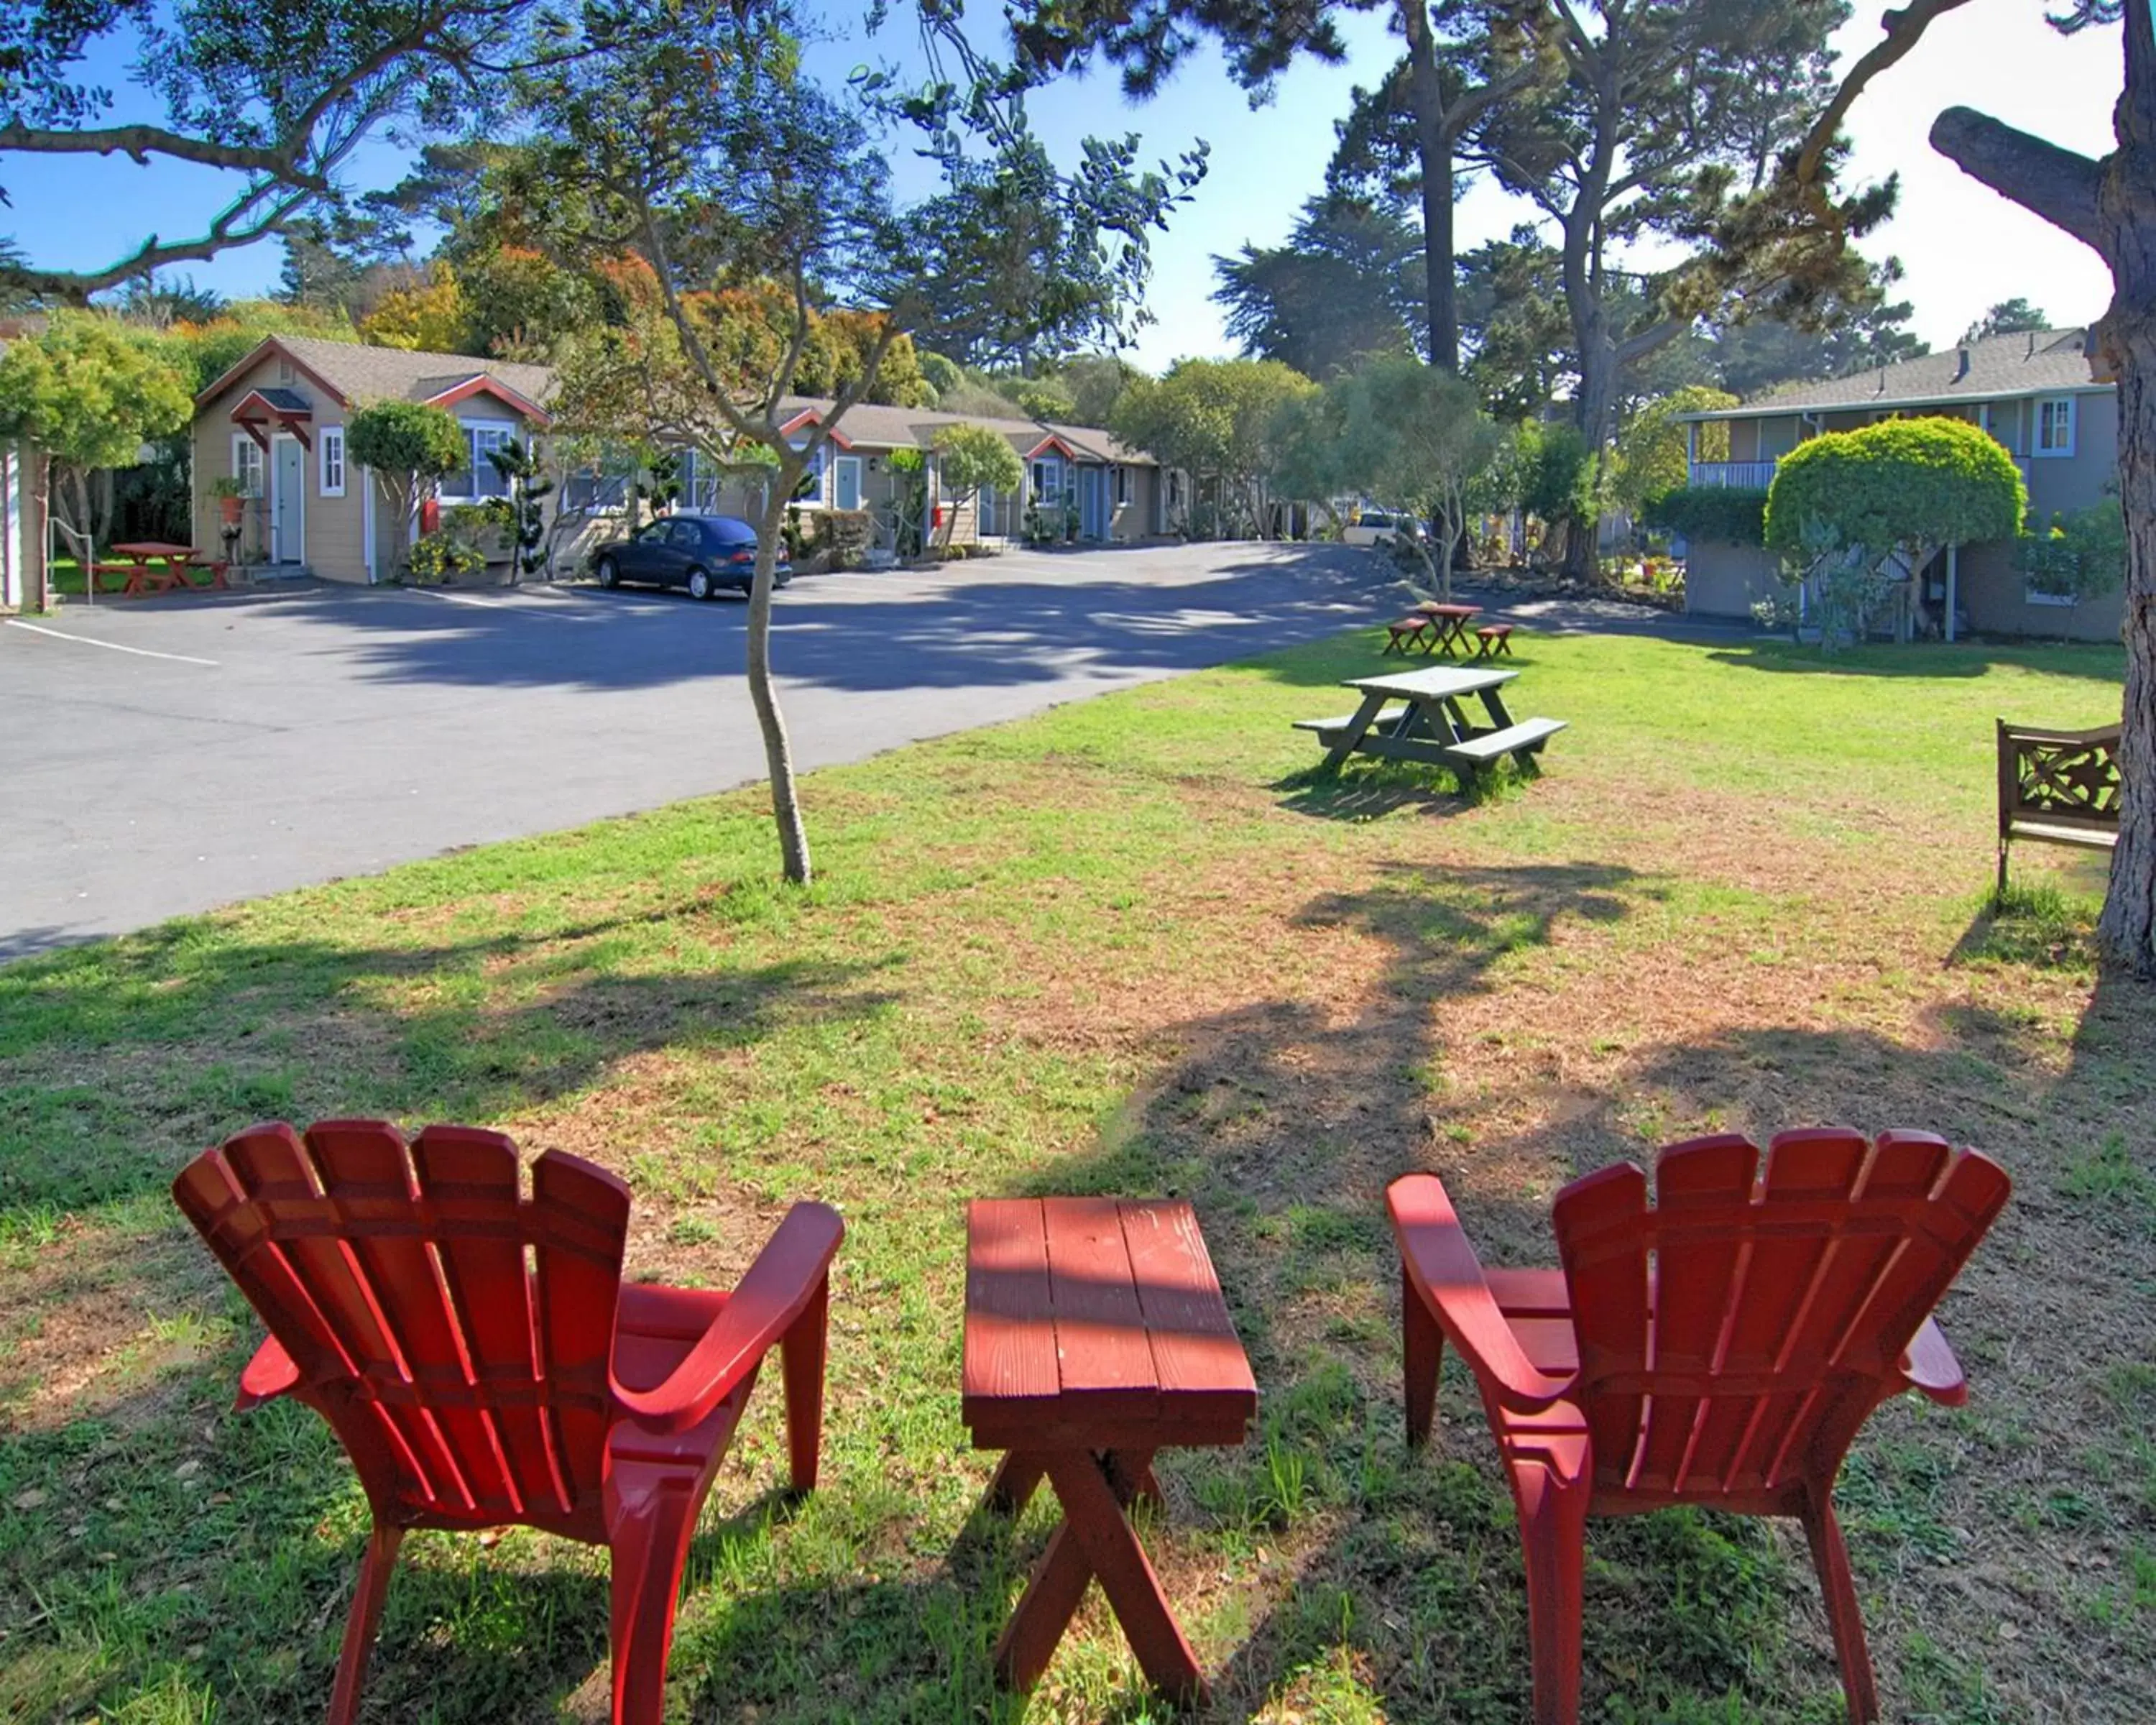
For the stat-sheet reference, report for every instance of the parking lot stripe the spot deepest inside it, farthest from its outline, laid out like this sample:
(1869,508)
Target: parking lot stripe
(110,646)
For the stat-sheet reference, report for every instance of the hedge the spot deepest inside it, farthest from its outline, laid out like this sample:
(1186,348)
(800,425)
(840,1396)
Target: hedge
(1725,514)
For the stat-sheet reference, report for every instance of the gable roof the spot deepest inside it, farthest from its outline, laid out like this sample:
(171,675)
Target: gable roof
(1999,368)
(873,426)
(355,375)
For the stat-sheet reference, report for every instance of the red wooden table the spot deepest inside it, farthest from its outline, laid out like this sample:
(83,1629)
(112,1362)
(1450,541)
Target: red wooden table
(152,566)
(1450,623)
(1095,1335)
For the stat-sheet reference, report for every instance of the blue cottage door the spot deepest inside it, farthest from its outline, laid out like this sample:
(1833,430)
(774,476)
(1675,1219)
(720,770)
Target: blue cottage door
(1093,502)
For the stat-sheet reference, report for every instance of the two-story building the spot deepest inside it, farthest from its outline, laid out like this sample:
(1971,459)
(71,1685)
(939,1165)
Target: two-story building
(2034,391)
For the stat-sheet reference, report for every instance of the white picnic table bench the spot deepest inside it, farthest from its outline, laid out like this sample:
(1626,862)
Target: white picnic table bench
(1417,716)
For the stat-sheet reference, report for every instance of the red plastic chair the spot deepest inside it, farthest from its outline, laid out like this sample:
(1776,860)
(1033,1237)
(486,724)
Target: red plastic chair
(483,1363)
(1722,1348)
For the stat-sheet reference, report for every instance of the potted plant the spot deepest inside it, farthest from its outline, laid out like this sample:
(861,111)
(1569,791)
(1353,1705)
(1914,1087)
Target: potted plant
(231,494)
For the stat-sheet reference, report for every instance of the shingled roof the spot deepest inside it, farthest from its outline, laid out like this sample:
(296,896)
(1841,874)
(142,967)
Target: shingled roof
(888,428)
(1999,368)
(360,374)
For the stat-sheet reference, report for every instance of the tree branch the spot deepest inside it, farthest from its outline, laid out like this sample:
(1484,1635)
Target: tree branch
(2057,184)
(75,287)
(1904,29)
(139,143)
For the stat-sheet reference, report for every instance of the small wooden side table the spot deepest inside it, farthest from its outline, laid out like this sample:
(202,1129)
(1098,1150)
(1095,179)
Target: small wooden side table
(1096,1336)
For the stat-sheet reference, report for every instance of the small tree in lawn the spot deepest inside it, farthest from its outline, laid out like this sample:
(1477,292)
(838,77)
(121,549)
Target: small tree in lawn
(970,457)
(1415,438)
(1857,513)
(87,391)
(409,446)
(1309,463)
(690,139)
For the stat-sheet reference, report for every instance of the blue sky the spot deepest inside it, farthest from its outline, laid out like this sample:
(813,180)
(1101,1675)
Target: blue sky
(1964,247)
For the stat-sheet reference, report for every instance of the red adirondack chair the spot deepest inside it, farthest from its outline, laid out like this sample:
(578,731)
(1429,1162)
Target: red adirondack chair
(1721,1348)
(472,1389)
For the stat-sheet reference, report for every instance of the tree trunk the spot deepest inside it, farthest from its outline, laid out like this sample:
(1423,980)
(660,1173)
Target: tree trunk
(1434,145)
(44,530)
(2128,340)
(75,523)
(777,746)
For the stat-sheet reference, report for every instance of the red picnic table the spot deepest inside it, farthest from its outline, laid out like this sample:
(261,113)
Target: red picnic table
(1095,1335)
(152,566)
(1449,625)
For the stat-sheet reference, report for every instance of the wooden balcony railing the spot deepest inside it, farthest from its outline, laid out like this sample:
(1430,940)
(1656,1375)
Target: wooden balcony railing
(1737,476)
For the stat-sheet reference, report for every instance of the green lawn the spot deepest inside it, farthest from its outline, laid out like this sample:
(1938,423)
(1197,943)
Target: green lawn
(1135,945)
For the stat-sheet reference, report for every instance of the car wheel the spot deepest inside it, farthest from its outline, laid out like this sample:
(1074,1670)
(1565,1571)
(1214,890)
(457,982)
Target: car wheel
(607,574)
(700,584)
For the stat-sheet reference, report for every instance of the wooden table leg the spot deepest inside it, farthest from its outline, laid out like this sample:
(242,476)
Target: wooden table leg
(1018,1475)
(1096,1540)
(1132,1478)
(1111,1548)
(1357,728)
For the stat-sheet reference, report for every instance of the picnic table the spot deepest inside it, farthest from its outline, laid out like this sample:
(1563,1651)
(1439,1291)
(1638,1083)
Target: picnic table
(153,565)
(1418,716)
(1448,625)
(1095,1335)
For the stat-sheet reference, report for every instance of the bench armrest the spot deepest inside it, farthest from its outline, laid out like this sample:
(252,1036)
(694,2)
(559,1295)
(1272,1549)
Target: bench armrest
(1442,1268)
(779,1288)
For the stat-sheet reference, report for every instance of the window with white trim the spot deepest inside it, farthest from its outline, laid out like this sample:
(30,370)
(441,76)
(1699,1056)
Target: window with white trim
(2055,426)
(247,465)
(332,453)
(1122,486)
(478,479)
(810,489)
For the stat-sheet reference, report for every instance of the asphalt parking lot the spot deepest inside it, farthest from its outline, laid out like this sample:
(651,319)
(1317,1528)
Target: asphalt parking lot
(168,756)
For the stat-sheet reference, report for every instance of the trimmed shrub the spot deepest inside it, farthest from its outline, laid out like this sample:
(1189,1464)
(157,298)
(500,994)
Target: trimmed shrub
(1727,514)
(1904,483)
(846,534)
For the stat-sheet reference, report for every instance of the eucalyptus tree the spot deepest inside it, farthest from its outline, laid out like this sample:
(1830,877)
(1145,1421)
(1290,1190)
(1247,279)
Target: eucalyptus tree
(1667,110)
(1463,59)
(1348,282)
(691,141)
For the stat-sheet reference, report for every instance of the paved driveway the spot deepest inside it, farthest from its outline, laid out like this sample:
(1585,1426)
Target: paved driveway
(212,749)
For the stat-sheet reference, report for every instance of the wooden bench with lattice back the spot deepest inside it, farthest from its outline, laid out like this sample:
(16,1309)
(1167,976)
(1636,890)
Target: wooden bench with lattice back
(2057,787)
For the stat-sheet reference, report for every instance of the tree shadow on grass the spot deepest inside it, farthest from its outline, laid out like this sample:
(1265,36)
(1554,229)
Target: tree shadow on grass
(2097,661)
(119,1062)
(192,1553)
(1282,1122)
(1393,1588)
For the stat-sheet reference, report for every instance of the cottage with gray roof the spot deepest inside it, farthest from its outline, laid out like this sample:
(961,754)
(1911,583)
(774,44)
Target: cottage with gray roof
(2035,391)
(275,422)
(1080,482)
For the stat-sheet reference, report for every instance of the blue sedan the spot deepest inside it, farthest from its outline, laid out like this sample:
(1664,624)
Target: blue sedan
(700,552)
